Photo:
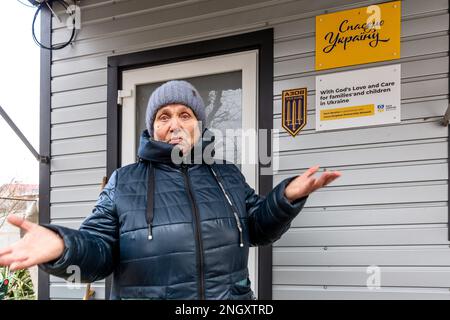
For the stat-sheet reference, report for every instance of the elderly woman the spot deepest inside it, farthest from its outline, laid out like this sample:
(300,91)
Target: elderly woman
(169,230)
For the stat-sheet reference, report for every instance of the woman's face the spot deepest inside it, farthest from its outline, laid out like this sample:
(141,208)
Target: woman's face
(176,124)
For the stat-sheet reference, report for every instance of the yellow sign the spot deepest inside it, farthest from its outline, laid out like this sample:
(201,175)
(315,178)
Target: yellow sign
(347,112)
(357,36)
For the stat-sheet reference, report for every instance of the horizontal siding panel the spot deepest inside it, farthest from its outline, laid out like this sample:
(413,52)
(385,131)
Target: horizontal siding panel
(363,256)
(79,145)
(437,277)
(82,64)
(86,4)
(290,47)
(62,291)
(409,69)
(426,46)
(394,174)
(78,113)
(333,217)
(423,25)
(78,161)
(415,7)
(424,67)
(295,28)
(365,135)
(79,81)
(358,293)
(294,66)
(74,178)
(69,223)
(365,155)
(335,196)
(78,97)
(79,129)
(116,9)
(427,88)
(373,236)
(72,194)
(170,16)
(71,210)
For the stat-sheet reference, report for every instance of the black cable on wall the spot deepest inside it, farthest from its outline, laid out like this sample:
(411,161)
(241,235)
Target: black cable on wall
(39,6)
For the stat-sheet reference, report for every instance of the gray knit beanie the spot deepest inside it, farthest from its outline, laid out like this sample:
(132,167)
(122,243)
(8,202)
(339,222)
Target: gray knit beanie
(173,92)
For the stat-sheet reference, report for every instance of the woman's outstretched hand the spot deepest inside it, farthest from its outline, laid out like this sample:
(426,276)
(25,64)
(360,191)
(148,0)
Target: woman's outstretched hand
(305,183)
(39,245)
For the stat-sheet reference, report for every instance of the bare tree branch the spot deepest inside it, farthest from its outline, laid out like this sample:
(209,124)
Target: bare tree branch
(216,106)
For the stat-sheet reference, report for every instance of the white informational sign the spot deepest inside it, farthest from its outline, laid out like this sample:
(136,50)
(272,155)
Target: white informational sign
(358,98)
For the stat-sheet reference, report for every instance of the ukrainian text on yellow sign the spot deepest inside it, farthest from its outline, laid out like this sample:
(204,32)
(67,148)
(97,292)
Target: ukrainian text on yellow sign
(347,112)
(357,36)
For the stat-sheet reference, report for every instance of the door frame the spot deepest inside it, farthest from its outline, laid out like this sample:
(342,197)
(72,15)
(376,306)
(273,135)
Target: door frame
(246,63)
(259,40)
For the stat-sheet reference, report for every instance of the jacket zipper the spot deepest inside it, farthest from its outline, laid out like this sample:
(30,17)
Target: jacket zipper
(199,246)
(230,206)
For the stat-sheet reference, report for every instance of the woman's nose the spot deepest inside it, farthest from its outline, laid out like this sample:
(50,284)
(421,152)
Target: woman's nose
(174,124)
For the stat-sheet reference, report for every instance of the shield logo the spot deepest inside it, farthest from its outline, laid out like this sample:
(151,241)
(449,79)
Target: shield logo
(293,110)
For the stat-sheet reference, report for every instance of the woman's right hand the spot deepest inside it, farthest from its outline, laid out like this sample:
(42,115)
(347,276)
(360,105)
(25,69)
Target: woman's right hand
(39,245)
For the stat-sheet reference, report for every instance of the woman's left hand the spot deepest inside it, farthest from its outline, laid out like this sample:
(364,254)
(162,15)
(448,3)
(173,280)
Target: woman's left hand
(305,184)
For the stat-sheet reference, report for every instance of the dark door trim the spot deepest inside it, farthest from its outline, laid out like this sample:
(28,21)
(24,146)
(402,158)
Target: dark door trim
(261,40)
(448,157)
(43,290)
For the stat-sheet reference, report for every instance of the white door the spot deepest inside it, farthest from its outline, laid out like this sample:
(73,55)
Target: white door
(227,84)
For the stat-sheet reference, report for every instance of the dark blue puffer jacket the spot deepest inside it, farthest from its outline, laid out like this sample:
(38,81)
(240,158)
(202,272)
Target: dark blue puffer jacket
(194,251)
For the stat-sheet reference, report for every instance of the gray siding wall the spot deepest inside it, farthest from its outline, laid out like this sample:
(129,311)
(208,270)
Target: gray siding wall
(390,207)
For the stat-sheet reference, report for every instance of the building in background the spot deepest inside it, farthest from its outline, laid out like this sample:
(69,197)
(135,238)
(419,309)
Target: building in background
(379,232)
(22,200)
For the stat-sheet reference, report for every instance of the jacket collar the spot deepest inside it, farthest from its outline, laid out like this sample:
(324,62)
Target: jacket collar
(158,151)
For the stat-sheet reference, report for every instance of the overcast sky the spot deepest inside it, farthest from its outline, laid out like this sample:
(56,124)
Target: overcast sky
(19,92)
